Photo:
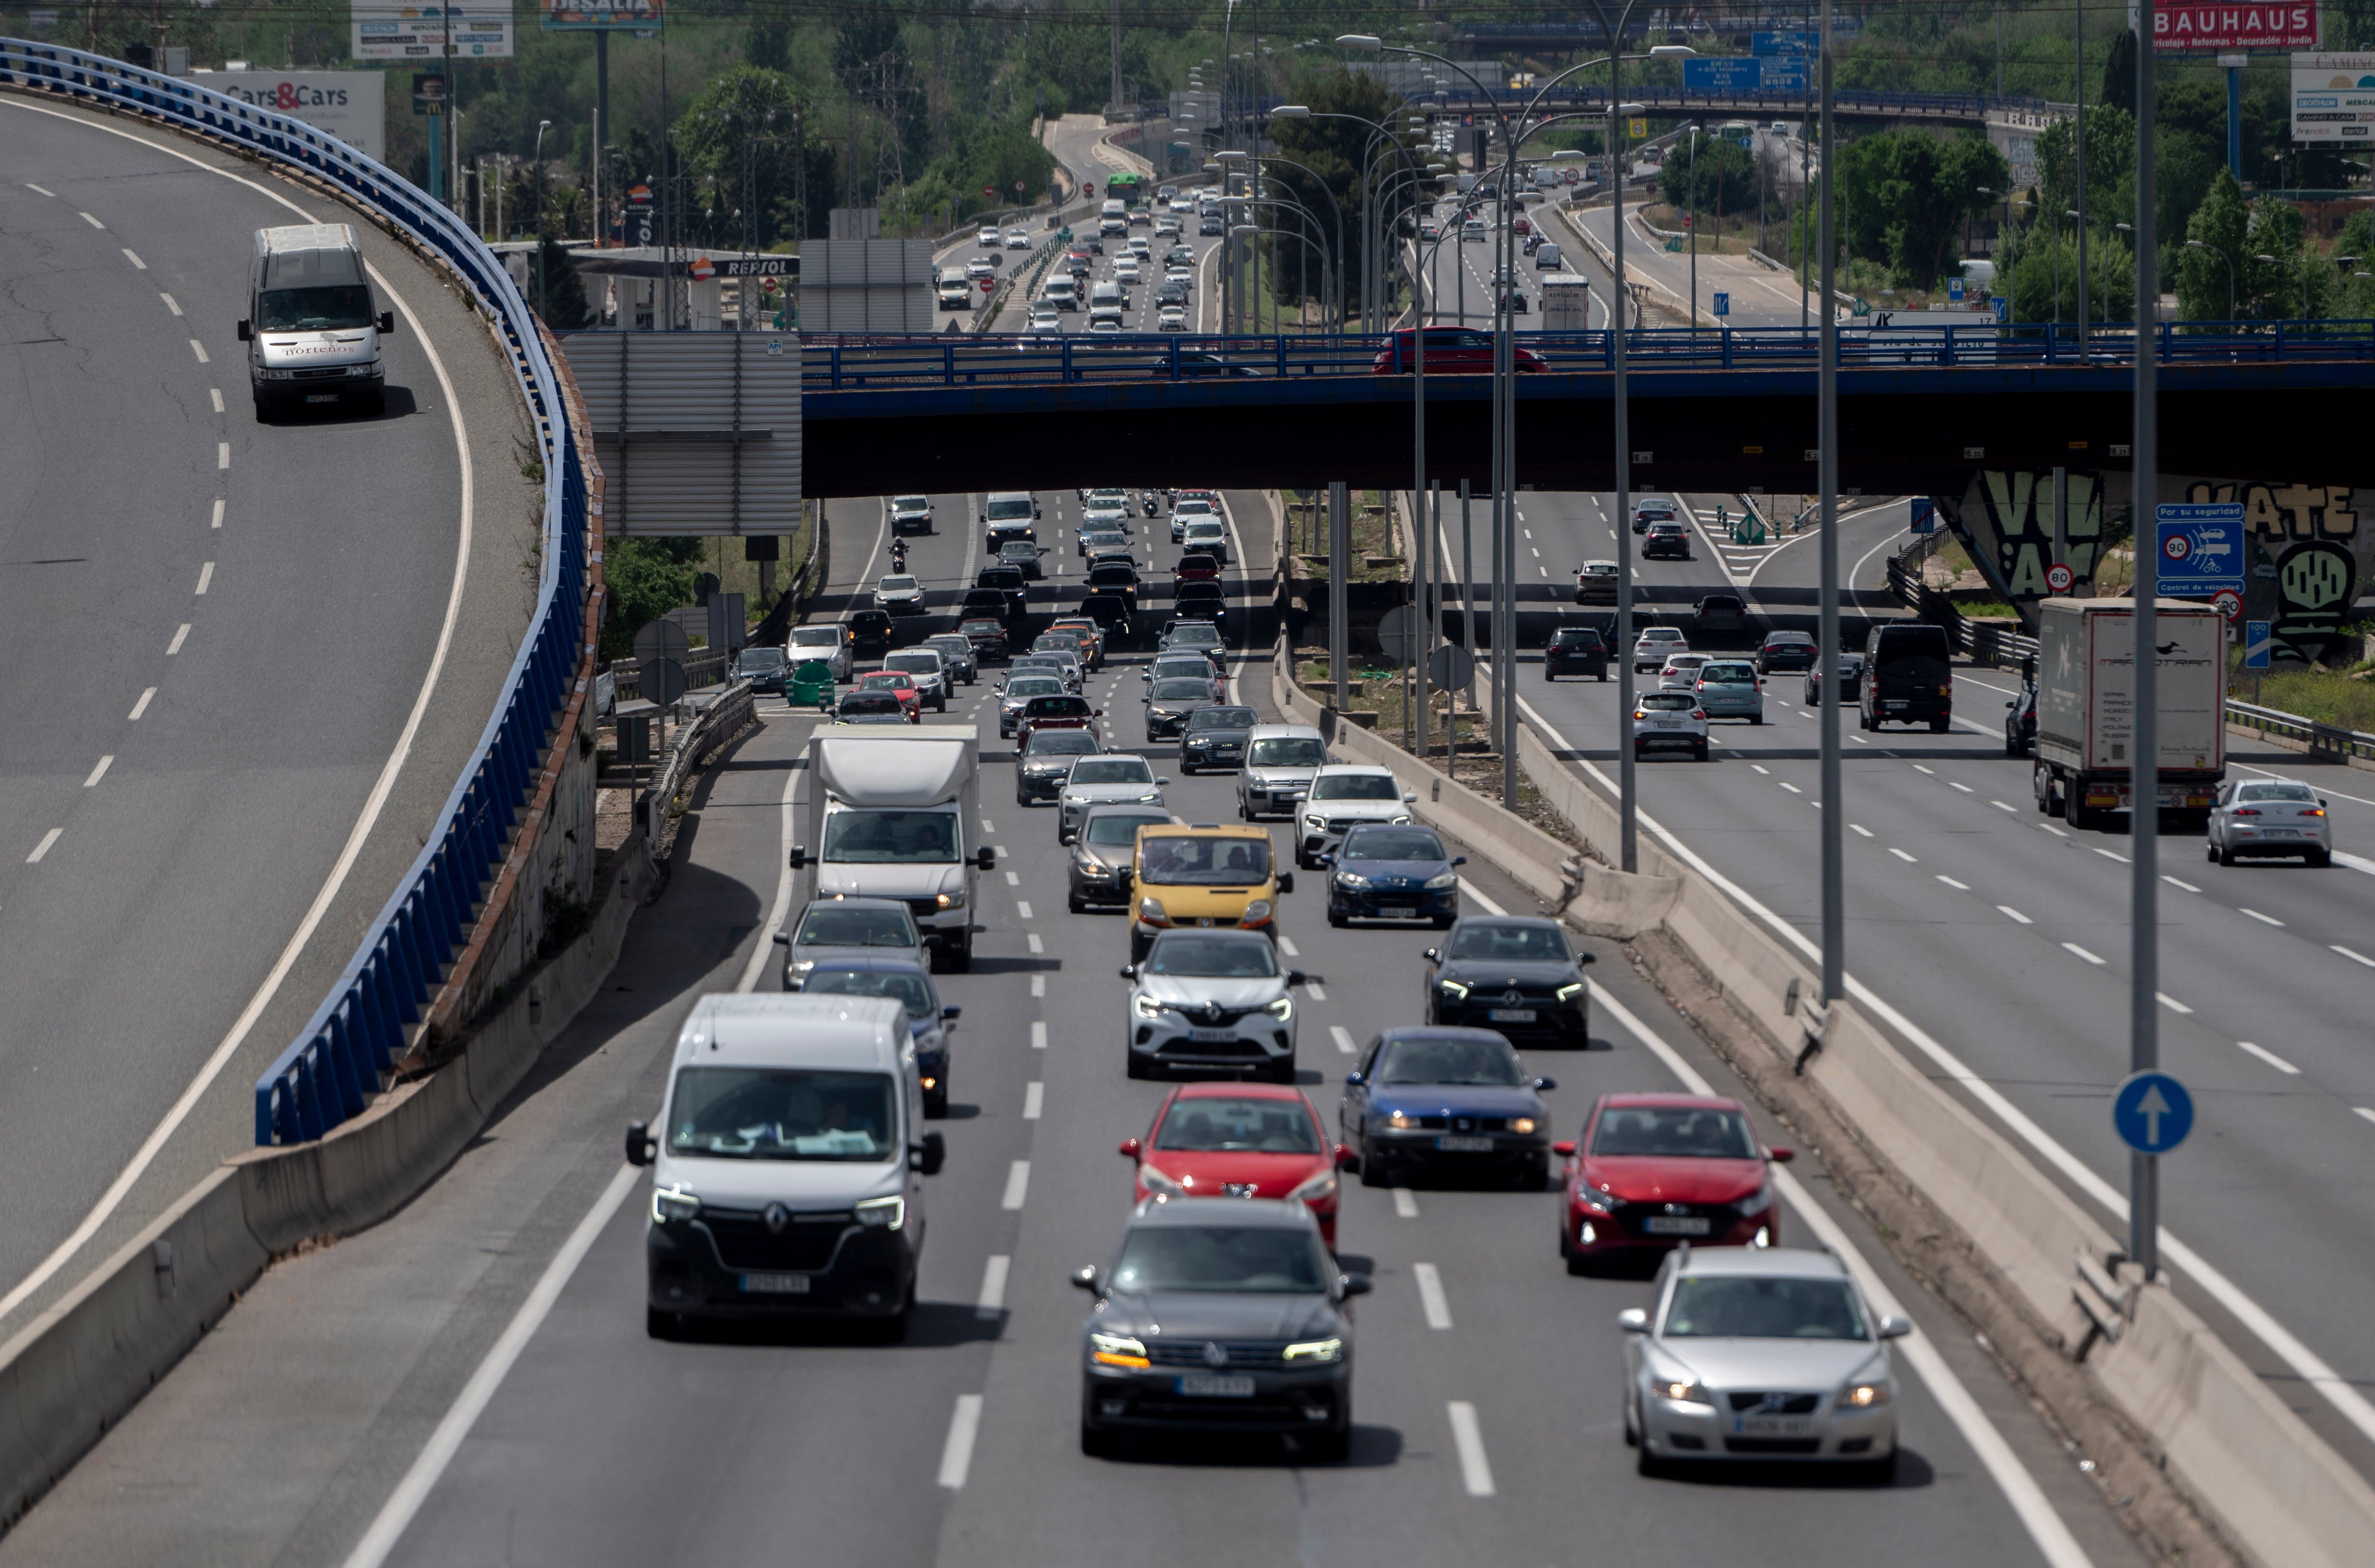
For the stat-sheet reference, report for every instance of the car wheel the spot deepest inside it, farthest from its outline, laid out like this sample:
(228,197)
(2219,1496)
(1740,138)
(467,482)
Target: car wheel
(1535,1175)
(1881,1471)
(1648,1464)
(1373,1170)
(1136,1065)
(2320,857)
(2210,850)
(1603,678)
(1548,678)
(1098,1444)
(1282,1070)
(1700,752)
(935,1104)
(1330,1447)
(1076,904)
(661,1325)
(2225,856)
(1632,1429)
(2011,747)
(1338,918)
(1940,727)
(1443,922)
(1757,718)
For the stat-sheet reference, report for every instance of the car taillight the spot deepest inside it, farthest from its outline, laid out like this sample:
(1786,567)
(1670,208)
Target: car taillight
(1698,712)
(2245,811)
(2314,812)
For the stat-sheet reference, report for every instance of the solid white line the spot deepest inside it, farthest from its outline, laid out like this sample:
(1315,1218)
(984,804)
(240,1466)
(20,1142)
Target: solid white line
(1405,1203)
(206,576)
(2020,1489)
(956,1454)
(764,948)
(1902,856)
(1476,1471)
(1343,1038)
(2172,1004)
(2075,947)
(2270,1057)
(992,1299)
(1034,1098)
(135,261)
(2269,919)
(2355,958)
(1039,1036)
(141,706)
(410,1493)
(1018,1185)
(200,350)
(1431,1299)
(42,848)
(101,771)
(2007,909)
(94,222)
(1958,887)
(1021,908)
(218,501)
(175,645)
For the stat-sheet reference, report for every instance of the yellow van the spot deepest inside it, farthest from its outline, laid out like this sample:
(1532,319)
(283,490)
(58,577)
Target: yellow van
(1204,875)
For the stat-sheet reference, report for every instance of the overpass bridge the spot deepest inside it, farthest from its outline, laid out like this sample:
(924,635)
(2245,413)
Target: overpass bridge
(1846,104)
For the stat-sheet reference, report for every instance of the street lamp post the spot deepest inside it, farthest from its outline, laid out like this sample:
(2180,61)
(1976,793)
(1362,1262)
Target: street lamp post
(1826,438)
(541,126)
(2144,772)
(1691,221)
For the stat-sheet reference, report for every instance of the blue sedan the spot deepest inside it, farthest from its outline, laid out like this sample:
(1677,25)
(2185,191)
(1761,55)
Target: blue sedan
(1385,871)
(1431,1099)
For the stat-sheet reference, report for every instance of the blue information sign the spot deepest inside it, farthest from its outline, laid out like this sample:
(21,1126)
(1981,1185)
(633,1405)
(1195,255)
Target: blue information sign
(1925,515)
(2152,1113)
(1727,75)
(1785,75)
(2200,547)
(1722,304)
(1781,43)
(2003,307)
(2256,643)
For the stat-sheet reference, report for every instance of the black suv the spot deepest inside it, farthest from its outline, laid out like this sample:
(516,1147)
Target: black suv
(870,631)
(1721,612)
(1666,541)
(1909,677)
(1575,650)
(1008,581)
(1114,578)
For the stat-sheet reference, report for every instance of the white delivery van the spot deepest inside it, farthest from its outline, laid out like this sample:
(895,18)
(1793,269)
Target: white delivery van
(954,288)
(1113,219)
(1061,292)
(312,328)
(787,1163)
(890,814)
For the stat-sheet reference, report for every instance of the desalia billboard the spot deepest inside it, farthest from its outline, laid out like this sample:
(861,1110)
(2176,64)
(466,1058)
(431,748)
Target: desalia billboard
(2186,26)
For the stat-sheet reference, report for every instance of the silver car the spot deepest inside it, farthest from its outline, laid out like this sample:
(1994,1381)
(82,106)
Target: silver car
(956,649)
(1341,797)
(851,928)
(1212,999)
(927,669)
(1115,779)
(1279,760)
(1754,1354)
(2257,818)
(825,640)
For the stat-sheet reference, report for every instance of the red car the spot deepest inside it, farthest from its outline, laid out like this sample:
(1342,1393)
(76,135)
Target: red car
(910,703)
(1240,1140)
(1654,1170)
(1195,567)
(988,637)
(1451,351)
(1053,712)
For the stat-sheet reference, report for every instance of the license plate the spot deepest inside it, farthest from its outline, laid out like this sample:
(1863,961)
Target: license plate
(1773,1426)
(1456,1144)
(1215,1385)
(2277,833)
(321,397)
(1211,1036)
(1895,704)
(1511,1015)
(1396,911)
(776,1284)
(1673,1225)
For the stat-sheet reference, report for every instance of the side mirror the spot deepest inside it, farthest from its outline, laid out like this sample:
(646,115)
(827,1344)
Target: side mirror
(928,1156)
(799,856)
(1433,956)
(1129,1147)
(1085,1279)
(1349,1285)
(1781,1156)
(1130,971)
(988,859)
(1346,1157)
(1587,958)
(2008,701)
(640,1145)
(1162,780)
(1564,1149)
(246,330)
(1634,1320)
(1355,1078)
(388,321)
(1328,860)
(1895,1326)
(783,938)
(1541,1083)
(1286,881)
(949,1015)
(1409,797)
(1296,977)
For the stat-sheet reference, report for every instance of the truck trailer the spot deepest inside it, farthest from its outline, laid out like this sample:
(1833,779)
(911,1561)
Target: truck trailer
(2086,717)
(892,813)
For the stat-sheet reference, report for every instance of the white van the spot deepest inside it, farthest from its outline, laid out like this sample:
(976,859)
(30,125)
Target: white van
(785,1164)
(1061,292)
(311,329)
(1108,296)
(1113,219)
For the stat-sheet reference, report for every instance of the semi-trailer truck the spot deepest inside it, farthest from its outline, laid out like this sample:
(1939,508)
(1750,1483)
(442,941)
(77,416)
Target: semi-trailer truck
(2086,715)
(893,813)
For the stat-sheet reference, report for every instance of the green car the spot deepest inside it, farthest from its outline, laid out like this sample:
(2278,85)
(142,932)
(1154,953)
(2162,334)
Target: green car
(1728,689)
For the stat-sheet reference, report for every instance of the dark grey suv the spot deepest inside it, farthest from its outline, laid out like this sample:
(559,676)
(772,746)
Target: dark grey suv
(1222,1317)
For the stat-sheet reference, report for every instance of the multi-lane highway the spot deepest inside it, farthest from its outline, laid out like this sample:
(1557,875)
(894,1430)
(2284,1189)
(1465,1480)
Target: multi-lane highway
(472,1381)
(249,661)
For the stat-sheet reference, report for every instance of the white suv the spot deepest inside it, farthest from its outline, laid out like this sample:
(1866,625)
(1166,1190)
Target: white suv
(1343,795)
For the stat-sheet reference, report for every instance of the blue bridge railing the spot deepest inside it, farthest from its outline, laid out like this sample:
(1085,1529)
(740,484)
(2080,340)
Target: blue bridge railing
(329,1073)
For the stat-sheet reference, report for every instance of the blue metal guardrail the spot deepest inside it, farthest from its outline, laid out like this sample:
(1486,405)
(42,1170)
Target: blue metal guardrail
(333,1065)
(1455,94)
(854,363)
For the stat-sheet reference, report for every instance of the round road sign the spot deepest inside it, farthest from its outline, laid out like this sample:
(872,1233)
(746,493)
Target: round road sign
(1451,668)
(2177,547)
(990,285)
(2152,1112)
(1399,632)
(2229,603)
(990,191)
(2059,577)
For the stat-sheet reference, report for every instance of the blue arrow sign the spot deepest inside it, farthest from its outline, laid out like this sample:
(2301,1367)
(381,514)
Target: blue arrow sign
(2152,1113)
(1722,304)
(2256,643)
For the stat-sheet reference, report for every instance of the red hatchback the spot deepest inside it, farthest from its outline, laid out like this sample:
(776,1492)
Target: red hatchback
(900,684)
(1239,1140)
(1451,351)
(1651,1171)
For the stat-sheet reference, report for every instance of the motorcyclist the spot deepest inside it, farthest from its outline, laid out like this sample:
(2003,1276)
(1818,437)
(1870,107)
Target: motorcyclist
(898,555)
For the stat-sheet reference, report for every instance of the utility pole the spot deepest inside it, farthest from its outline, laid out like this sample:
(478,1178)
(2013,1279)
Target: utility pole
(2078,134)
(1114,92)
(2143,770)
(1827,437)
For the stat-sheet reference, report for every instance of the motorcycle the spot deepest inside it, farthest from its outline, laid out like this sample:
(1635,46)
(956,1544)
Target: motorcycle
(898,555)
(1152,501)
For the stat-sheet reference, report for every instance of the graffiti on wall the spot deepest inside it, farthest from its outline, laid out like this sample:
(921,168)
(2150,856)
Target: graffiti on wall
(2005,516)
(2303,565)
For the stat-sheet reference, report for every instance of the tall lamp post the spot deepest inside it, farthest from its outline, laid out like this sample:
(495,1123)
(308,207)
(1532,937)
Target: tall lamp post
(541,126)
(1834,834)
(2144,772)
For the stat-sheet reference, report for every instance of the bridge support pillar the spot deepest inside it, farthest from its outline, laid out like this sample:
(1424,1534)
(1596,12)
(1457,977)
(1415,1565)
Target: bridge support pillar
(1339,552)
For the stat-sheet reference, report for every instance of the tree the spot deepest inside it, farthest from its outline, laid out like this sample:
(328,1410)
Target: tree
(2120,75)
(2044,261)
(2110,165)
(1906,194)
(738,129)
(1336,152)
(565,306)
(645,579)
(1724,181)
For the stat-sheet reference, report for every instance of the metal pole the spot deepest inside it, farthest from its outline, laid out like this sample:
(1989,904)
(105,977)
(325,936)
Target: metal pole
(1620,328)
(1340,547)
(1833,825)
(1504,489)
(1691,222)
(1466,570)
(2143,770)
(2078,130)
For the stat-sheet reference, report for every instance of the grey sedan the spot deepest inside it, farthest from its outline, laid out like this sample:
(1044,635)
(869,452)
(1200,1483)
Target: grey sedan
(1120,779)
(1170,701)
(1215,738)
(1105,847)
(849,929)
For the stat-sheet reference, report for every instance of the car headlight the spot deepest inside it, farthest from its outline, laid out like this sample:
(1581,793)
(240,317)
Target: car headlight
(1281,1008)
(1314,1188)
(1862,1396)
(1256,913)
(884,1213)
(1162,1182)
(1400,1119)
(1437,884)
(1592,1197)
(1314,821)
(1313,1351)
(1117,1349)
(1569,993)
(802,966)
(673,1206)
(1759,1201)
(953,900)
(1144,799)
(1453,989)
(1521,1124)
(1400,822)
(1150,911)
(1353,880)
(1682,1393)
(1145,1005)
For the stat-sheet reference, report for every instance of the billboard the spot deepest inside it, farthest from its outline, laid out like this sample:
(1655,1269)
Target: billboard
(2334,97)
(349,105)
(580,16)
(422,29)
(2186,26)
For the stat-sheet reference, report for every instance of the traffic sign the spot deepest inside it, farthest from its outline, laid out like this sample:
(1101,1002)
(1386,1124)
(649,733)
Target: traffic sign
(1638,127)
(2257,642)
(1722,304)
(2059,577)
(1451,668)
(2200,547)
(1399,633)
(989,193)
(2229,603)
(2152,1113)
(2002,308)
(1924,513)
(1955,289)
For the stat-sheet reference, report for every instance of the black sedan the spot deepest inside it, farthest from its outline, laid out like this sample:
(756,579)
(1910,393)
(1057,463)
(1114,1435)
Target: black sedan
(1575,650)
(1385,871)
(1215,738)
(1513,974)
(1851,680)
(1785,651)
(1445,1100)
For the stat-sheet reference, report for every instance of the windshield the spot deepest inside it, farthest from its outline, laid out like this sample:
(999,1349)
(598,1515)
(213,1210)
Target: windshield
(817,636)
(1034,686)
(909,503)
(758,658)
(1206,530)
(910,991)
(344,307)
(1391,843)
(1676,1131)
(1195,637)
(1291,751)
(781,1114)
(981,628)
(1729,1307)
(1662,634)
(1057,708)
(1181,690)
(1914,654)
(1112,771)
(1267,1260)
(1115,829)
(1018,510)
(1356,786)
(1667,701)
(1212,958)
(839,927)
(1728,675)
(888,680)
(1222,718)
(1060,743)
(1454,1060)
(892,838)
(1529,943)
(1210,1125)
(913,664)
(2276,792)
(1184,860)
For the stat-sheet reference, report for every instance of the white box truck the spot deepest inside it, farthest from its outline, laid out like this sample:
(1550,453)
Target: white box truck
(2085,714)
(1566,302)
(895,813)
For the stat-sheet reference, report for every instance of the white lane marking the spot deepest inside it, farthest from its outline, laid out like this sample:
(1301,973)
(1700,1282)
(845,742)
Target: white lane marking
(135,261)
(1860,740)
(1034,1098)
(956,1454)
(1762,768)
(206,576)
(764,947)
(1793,789)
(1021,909)
(1311,989)
(984,821)
(2355,958)
(992,1299)
(1038,1035)
(410,1493)
(200,350)
(2000,806)
(42,848)
(369,817)
(2081,952)
(94,222)
(1431,1299)
(216,392)
(2266,919)
(2173,1005)
(1967,789)
(2363,1111)
(1485,901)
(2270,1057)
(1958,887)
(101,771)
(2181,886)
(1475,1470)
(141,706)
(222,461)
(1859,828)
(44,190)
(1919,768)
(175,645)
(1286,945)
(1405,1203)
(1902,856)
(2054,830)
(1018,1185)
(2110,855)
(218,501)
(169,303)
(1343,1038)
(1038,985)
(2020,1489)
(2016,914)
(2356,862)
(1037,945)
(1013,879)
